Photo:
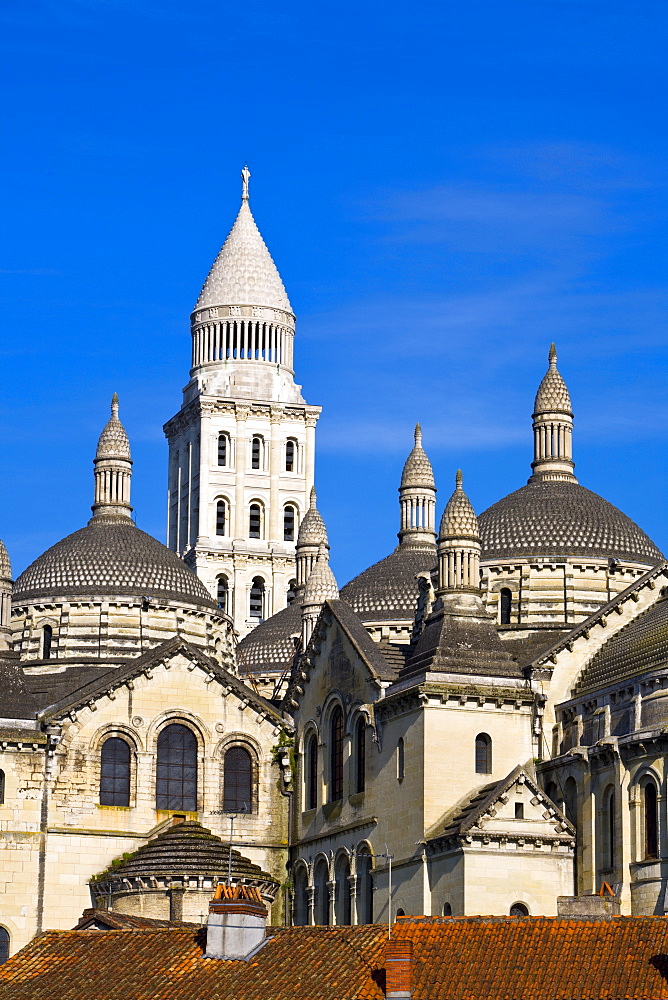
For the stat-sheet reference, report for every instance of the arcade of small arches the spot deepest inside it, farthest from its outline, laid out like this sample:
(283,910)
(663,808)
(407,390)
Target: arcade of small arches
(257,596)
(249,340)
(256,519)
(258,455)
(335,889)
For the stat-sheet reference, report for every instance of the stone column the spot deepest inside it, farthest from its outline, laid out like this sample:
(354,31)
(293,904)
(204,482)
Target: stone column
(331,888)
(311,420)
(240,514)
(204,500)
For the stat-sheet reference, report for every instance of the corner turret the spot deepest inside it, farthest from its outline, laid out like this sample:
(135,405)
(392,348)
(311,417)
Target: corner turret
(553,428)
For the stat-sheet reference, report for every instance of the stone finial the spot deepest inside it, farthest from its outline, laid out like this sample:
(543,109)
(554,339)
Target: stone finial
(552,357)
(459,518)
(5,564)
(114,405)
(418,435)
(553,427)
(113,468)
(459,480)
(245,177)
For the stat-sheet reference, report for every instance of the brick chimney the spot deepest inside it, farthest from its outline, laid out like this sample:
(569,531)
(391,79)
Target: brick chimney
(237,924)
(399,970)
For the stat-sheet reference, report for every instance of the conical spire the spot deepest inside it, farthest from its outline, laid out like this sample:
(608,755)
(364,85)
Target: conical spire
(243,273)
(5,598)
(553,427)
(458,544)
(312,534)
(113,469)
(5,564)
(321,586)
(417,496)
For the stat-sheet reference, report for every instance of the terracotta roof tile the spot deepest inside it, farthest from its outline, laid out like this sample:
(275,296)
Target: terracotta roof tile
(455,958)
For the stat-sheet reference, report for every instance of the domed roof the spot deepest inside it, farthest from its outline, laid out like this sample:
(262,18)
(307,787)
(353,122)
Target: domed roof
(312,530)
(640,646)
(111,556)
(186,848)
(244,273)
(270,645)
(459,518)
(417,470)
(113,441)
(388,590)
(561,518)
(321,585)
(552,392)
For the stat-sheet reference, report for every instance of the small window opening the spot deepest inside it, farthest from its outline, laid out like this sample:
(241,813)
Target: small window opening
(312,773)
(447,910)
(360,755)
(289,523)
(483,754)
(519,810)
(4,945)
(401,912)
(292,591)
(651,825)
(519,910)
(336,755)
(505,606)
(290,456)
(222,449)
(47,640)
(401,759)
(256,447)
(254,521)
(222,593)
(2,788)
(256,605)
(221,517)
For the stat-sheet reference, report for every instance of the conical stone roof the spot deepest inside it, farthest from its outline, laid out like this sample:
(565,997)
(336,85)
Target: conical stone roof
(185,849)
(417,470)
(459,518)
(114,441)
(552,393)
(312,530)
(5,564)
(321,585)
(243,273)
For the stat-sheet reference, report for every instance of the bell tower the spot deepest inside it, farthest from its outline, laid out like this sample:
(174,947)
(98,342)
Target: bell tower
(242,446)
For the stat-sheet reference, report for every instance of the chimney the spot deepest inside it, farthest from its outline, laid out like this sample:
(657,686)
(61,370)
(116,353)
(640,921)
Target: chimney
(237,923)
(398,970)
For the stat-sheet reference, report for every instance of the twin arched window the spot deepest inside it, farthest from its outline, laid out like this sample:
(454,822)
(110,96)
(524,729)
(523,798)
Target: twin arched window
(483,754)
(115,773)
(256,599)
(238,784)
(223,593)
(176,784)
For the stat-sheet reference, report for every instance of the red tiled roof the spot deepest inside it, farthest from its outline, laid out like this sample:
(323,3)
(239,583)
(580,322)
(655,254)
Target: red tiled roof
(455,958)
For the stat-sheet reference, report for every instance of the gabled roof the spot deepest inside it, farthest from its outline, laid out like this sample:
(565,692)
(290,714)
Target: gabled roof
(113,679)
(468,814)
(454,958)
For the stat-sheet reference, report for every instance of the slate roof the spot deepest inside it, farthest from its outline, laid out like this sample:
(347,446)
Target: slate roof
(387,590)
(24,695)
(640,646)
(111,556)
(186,849)
(270,647)
(244,273)
(454,958)
(560,519)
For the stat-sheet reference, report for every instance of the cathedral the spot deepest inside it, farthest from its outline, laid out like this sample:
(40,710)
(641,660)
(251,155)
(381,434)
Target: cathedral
(477,723)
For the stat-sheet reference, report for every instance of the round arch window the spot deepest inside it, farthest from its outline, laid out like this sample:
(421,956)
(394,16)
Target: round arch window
(519,910)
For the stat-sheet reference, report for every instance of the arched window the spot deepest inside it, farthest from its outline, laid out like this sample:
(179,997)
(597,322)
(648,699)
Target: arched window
(360,754)
(401,759)
(571,801)
(115,772)
(176,784)
(320,879)
(237,781)
(256,452)
(342,899)
(290,455)
(292,591)
(47,639)
(222,592)
(300,901)
(519,910)
(256,600)
(400,912)
(364,887)
(336,755)
(505,606)
(289,523)
(221,517)
(4,945)
(255,521)
(650,816)
(483,754)
(447,910)
(2,788)
(223,450)
(311,773)
(608,830)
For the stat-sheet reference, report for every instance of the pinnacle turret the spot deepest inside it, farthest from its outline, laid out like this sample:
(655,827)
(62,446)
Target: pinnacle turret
(553,427)
(458,544)
(312,534)
(417,496)
(113,469)
(321,586)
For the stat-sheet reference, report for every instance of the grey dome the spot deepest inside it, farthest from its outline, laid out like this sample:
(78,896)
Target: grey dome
(111,556)
(562,519)
(388,589)
(270,647)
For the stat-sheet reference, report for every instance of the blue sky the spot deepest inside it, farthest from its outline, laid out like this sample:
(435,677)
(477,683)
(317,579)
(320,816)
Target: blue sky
(445,187)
